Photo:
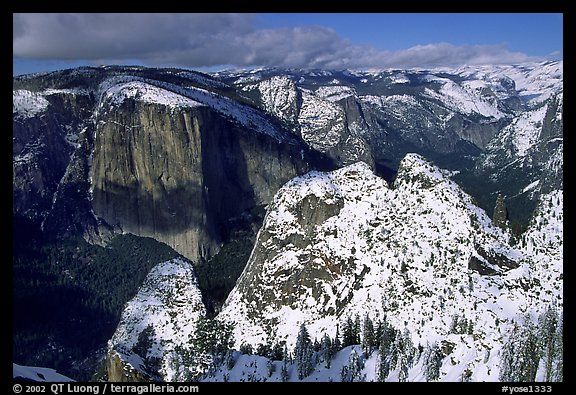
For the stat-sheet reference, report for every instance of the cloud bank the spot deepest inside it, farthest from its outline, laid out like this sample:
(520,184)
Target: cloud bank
(204,40)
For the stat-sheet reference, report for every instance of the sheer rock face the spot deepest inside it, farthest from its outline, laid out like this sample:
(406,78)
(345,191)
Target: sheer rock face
(45,130)
(179,175)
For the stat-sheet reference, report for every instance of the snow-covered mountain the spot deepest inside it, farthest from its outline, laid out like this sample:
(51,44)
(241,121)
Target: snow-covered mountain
(156,325)
(361,220)
(419,253)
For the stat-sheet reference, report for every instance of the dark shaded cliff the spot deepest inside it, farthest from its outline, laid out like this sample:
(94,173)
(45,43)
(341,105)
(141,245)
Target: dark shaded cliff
(179,175)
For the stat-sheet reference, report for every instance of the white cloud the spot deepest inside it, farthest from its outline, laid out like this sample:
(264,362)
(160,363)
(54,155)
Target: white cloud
(195,40)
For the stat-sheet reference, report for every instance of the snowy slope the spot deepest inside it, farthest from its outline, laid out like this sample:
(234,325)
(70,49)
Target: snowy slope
(116,90)
(544,243)
(520,135)
(466,99)
(169,300)
(37,374)
(279,97)
(27,104)
(533,82)
(315,116)
(340,243)
(526,156)
(321,122)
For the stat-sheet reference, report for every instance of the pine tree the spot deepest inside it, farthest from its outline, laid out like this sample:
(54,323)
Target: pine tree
(383,365)
(284,372)
(326,351)
(508,357)
(336,344)
(348,335)
(285,361)
(355,366)
(368,341)
(211,340)
(277,351)
(316,345)
(547,330)
(432,362)
(246,348)
(558,370)
(530,352)
(520,355)
(345,374)
(403,372)
(387,337)
(356,330)
(303,353)
(144,341)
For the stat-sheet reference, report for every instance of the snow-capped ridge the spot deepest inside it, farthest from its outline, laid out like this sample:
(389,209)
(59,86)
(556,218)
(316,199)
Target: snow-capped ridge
(116,90)
(360,238)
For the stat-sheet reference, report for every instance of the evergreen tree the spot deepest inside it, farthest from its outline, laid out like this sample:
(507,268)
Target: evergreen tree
(368,342)
(547,336)
(303,353)
(520,355)
(144,342)
(383,365)
(344,374)
(336,345)
(356,329)
(530,353)
(432,362)
(264,350)
(212,337)
(277,351)
(558,370)
(348,335)
(402,354)
(286,354)
(403,372)
(316,345)
(387,337)
(326,351)
(284,372)
(230,360)
(285,361)
(246,348)
(508,368)
(355,366)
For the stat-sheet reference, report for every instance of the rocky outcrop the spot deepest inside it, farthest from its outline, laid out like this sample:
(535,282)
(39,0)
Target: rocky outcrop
(500,216)
(342,243)
(332,128)
(120,371)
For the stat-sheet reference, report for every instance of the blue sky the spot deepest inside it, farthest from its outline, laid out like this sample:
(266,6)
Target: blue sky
(43,42)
